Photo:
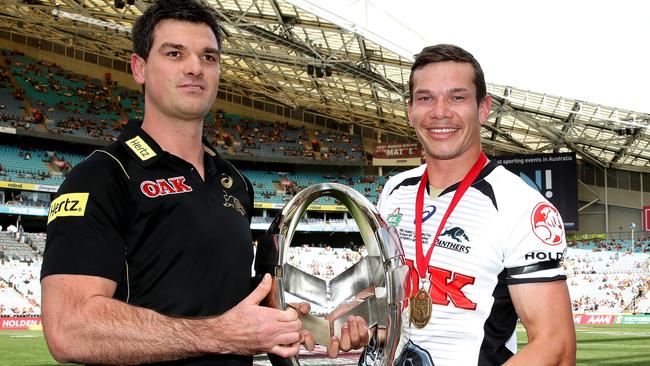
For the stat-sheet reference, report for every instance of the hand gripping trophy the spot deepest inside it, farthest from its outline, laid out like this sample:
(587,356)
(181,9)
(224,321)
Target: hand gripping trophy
(374,288)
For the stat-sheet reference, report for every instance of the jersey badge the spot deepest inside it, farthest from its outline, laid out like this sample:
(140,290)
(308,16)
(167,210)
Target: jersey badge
(69,204)
(454,238)
(163,187)
(140,148)
(394,218)
(427,212)
(547,224)
(226,182)
(456,233)
(233,202)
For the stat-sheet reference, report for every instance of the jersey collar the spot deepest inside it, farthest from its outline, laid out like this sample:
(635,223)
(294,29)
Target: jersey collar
(146,151)
(139,144)
(487,169)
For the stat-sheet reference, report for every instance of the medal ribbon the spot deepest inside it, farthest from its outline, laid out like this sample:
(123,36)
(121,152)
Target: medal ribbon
(420,260)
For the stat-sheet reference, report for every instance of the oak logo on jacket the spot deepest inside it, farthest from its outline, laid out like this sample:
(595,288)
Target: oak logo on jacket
(163,187)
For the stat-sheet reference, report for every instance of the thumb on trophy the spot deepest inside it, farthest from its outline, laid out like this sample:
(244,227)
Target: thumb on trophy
(260,292)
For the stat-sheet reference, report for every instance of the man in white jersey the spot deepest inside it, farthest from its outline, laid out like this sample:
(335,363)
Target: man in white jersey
(498,242)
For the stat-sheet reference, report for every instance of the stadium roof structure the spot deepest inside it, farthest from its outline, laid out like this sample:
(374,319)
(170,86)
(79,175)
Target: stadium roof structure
(274,49)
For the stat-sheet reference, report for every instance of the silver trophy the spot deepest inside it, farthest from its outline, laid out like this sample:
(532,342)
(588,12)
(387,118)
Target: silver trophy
(374,288)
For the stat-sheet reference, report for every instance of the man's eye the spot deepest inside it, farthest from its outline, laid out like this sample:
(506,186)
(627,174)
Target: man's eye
(173,53)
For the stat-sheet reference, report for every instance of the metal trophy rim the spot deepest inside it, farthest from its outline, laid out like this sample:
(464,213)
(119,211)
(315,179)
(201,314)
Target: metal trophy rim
(374,232)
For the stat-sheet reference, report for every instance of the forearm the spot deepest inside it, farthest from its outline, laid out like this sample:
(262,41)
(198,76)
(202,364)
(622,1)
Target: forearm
(82,323)
(543,352)
(107,331)
(545,311)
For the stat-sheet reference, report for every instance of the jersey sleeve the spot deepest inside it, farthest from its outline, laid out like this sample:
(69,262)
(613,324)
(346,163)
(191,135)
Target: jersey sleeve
(536,243)
(86,221)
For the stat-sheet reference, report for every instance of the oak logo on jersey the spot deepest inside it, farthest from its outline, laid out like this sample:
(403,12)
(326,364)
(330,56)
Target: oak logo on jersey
(394,218)
(69,204)
(445,286)
(163,187)
(140,148)
(547,223)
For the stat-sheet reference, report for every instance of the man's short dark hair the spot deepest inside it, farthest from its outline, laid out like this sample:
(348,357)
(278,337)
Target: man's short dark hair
(185,10)
(449,52)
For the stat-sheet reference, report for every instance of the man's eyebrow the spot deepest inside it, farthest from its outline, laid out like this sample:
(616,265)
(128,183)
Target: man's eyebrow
(458,90)
(178,46)
(172,45)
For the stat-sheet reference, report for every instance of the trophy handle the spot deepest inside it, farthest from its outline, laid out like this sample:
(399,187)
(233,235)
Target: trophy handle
(384,270)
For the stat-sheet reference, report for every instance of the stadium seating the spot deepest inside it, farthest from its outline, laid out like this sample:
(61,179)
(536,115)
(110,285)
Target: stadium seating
(606,281)
(277,187)
(20,290)
(34,165)
(76,105)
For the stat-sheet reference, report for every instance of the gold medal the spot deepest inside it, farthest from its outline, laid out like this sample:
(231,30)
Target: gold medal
(420,308)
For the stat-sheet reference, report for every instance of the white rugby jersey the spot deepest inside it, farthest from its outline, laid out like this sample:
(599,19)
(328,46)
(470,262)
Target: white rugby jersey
(502,232)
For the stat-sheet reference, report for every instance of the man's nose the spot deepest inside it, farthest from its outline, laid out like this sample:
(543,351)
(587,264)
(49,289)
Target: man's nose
(194,67)
(440,109)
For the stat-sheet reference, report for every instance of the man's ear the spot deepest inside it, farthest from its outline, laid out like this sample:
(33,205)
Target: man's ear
(137,68)
(484,108)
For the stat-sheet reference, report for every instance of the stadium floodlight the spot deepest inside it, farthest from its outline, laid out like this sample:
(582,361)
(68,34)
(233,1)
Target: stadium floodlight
(57,13)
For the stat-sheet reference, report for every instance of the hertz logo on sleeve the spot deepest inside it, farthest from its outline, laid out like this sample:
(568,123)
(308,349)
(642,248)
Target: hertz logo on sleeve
(69,204)
(140,148)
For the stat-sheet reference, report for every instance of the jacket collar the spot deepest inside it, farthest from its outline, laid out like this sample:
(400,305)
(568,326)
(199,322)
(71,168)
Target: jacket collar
(146,151)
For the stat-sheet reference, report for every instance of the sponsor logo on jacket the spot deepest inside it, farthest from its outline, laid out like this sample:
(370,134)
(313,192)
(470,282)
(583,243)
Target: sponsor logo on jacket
(69,204)
(140,148)
(163,187)
(547,224)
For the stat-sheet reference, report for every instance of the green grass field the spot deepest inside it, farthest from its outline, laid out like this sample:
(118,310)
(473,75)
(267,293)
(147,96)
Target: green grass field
(627,345)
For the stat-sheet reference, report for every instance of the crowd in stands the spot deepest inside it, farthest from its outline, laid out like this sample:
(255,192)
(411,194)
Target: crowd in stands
(66,103)
(242,136)
(53,89)
(20,200)
(98,129)
(20,292)
(20,263)
(280,187)
(607,277)
(31,165)
(640,245)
